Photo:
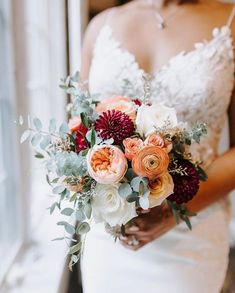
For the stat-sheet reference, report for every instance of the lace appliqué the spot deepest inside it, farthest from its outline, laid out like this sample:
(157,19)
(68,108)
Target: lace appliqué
(198,83)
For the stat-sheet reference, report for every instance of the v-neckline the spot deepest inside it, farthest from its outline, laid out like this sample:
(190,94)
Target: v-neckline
(181,53)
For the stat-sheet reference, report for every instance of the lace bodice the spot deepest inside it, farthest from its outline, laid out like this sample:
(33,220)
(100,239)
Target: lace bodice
(198,83)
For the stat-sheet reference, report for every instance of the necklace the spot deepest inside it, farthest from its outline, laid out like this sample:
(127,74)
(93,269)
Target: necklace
(162,23)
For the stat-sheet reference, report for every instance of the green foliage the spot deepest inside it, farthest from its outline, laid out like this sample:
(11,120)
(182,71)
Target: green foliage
(37,124)
(67,211)
(83,228)
(39,155)
(84,119)
(36,139)
(25,135)
(180,212)
(58,189)
(52,126)
(125,190)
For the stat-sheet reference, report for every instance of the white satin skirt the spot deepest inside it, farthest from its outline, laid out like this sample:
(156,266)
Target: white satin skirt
(181,261)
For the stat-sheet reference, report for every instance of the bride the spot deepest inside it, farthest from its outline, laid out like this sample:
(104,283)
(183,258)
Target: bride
(193,72)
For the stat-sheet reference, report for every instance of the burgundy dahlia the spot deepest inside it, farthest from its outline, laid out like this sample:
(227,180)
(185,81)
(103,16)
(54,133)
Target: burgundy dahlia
(114,124)
(185,186)
(80,142)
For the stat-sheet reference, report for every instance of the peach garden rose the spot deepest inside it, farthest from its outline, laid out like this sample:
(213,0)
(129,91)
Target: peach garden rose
(151,162)
(119,103)
(106,164)
(132,147)
(155,140)
(160,188)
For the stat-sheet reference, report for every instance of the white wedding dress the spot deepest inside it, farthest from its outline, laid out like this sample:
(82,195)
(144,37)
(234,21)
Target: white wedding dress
(198,84)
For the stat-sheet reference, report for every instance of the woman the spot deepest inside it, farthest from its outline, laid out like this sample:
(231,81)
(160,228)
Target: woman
(158,38)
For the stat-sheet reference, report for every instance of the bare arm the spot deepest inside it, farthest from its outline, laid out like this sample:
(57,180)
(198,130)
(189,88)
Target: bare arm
(88,43)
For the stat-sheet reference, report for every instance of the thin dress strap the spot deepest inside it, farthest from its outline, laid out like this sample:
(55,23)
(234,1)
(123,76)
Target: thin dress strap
(231,17)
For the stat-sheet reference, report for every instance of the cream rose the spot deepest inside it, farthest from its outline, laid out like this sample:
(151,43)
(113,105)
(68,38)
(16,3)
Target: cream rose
(108,206)
(151,117)
(107,164)
(160,189)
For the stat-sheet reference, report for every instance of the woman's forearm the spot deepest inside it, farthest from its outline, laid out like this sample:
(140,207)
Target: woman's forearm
(221,180)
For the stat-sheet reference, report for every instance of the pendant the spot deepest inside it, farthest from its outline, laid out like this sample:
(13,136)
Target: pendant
(162,25)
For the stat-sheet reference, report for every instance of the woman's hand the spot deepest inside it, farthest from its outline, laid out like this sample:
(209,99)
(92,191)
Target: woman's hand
(148,226)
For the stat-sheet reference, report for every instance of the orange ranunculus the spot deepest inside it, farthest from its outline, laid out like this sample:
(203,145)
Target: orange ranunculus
(106,164)
(160,189)
(119,103)
(151,162)
(155,140)
(74,123)
(132,147)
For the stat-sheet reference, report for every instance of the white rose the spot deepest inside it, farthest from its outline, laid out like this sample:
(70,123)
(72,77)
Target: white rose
(150,117)
(108,206)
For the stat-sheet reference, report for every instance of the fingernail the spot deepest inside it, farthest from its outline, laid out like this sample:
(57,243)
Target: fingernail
(123,238)
(134,229)
(145,211)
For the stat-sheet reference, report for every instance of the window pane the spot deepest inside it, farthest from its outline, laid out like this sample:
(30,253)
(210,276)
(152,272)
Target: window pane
(9,213)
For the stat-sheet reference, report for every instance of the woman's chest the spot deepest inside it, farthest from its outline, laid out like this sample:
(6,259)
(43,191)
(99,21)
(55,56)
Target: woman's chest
(195,83)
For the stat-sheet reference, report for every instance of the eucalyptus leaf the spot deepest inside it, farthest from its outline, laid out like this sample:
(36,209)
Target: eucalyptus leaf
(75,248)
(39,155)
(133,197)
(144,203)
(45,141)
(130,174)
(125,190)
(67,211)
(25,135)
(58,189)
(83,228)
(52,125)
(37,124)
(141,188)
(48,179)
(88,210)
(135,183)
(57,239)
(73,197)
(80,215)
(36,139)
(69,229)
(62,223)
(63,129)
(52,207)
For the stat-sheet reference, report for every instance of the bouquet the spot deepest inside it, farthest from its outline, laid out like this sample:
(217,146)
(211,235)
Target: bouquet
(114,157)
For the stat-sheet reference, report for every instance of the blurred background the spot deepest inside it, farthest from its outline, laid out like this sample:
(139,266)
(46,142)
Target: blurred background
(40,42)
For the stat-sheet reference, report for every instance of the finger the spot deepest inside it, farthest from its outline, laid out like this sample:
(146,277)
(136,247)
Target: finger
(132,247)
(137,234)
(131,229)
(142,212)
